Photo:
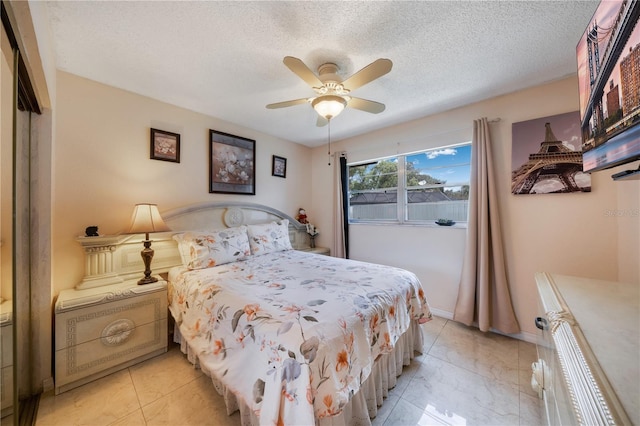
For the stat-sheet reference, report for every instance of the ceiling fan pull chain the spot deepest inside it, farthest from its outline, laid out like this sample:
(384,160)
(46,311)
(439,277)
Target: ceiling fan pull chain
(329,144)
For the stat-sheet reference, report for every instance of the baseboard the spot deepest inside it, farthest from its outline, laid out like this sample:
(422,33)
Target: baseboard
(442,314)
(523,335)
(47,385)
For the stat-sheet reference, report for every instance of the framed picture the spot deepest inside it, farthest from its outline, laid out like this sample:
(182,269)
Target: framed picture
(279,167)
(165,146)
(232,166)
(546,156)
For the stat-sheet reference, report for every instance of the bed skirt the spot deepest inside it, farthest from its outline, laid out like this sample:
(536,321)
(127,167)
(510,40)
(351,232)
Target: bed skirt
(363,406)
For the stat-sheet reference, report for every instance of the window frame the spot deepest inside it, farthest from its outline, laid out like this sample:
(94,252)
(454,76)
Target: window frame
(402,210)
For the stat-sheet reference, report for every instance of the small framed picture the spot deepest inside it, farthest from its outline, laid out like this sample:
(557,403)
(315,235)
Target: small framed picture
(232,167)
(279,167)
(165,146)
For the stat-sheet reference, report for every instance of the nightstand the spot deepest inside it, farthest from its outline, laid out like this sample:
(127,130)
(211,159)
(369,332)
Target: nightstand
(6,358)
(317,250)
(104,329)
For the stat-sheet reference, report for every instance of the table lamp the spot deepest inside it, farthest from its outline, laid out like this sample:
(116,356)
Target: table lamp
(146,219)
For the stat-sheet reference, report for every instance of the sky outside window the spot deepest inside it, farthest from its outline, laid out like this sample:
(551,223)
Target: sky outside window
(451,164)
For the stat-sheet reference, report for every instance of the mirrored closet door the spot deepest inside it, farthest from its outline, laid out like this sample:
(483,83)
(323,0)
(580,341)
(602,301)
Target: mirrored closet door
(18,105)
(7,108)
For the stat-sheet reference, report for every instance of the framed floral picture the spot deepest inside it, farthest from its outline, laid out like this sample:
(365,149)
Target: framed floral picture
(232,167)
(279,167)
(165,146)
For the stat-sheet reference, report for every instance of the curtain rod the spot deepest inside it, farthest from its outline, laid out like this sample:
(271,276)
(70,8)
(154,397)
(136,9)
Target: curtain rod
(382,145)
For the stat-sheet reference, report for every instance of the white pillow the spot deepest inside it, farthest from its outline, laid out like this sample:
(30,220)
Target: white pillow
(269,237)
(204,249)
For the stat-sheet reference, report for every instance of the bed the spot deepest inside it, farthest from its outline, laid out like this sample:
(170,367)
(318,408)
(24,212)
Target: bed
(287,336)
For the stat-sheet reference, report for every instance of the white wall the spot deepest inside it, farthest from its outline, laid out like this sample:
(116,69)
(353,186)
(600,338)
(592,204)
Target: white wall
(102,166)
(627,217)
(568,234)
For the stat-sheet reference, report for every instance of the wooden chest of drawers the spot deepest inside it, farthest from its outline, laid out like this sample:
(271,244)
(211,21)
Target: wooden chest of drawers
(104,329)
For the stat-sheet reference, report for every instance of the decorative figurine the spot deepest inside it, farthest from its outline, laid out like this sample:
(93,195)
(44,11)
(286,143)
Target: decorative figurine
(91,231)
(302,216)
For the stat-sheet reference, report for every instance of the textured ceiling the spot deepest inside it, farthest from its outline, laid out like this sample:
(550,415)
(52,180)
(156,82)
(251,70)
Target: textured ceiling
(224,59)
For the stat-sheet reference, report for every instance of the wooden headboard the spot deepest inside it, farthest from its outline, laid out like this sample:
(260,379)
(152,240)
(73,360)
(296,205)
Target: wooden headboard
(116,258)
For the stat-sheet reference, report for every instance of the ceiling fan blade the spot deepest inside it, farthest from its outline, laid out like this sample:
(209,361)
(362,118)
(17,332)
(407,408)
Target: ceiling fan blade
(375,69)
(321,122)
(288,103)
(366,105)
(302,71)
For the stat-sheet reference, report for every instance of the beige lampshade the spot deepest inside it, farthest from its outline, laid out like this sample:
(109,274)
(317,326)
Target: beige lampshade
(329,106)
(145,219)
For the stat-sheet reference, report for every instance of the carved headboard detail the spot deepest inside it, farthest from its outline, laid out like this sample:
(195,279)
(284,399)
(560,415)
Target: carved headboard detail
(114,259)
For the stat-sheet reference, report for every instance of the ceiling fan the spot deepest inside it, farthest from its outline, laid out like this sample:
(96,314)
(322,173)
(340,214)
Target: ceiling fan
(333,93)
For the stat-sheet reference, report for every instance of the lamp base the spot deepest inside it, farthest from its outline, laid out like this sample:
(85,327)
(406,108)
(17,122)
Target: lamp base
(147,280)
(147,255)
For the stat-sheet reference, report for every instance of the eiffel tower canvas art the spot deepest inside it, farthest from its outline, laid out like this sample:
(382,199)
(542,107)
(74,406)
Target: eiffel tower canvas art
(547,157)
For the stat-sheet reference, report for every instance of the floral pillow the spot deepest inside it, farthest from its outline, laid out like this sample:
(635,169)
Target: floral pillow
(204,249)
(269,237)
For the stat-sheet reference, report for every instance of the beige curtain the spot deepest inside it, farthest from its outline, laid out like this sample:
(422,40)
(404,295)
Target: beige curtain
(339,247)
(484,296)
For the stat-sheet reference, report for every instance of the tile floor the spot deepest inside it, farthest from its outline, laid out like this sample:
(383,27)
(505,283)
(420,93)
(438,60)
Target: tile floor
(463,377)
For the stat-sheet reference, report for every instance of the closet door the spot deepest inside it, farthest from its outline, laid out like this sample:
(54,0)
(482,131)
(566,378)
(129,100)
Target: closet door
(7,110)
(18,103)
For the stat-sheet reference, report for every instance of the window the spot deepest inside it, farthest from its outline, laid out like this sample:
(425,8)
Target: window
(432,185)
(373,189)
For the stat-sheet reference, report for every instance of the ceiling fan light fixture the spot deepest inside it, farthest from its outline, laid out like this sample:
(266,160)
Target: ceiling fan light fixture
(329,106)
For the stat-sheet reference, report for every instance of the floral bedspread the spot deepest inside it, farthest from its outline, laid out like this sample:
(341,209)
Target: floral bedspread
(294,334)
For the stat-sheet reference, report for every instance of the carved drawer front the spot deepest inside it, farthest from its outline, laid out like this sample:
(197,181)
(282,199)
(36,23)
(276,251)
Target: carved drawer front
(97,339)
